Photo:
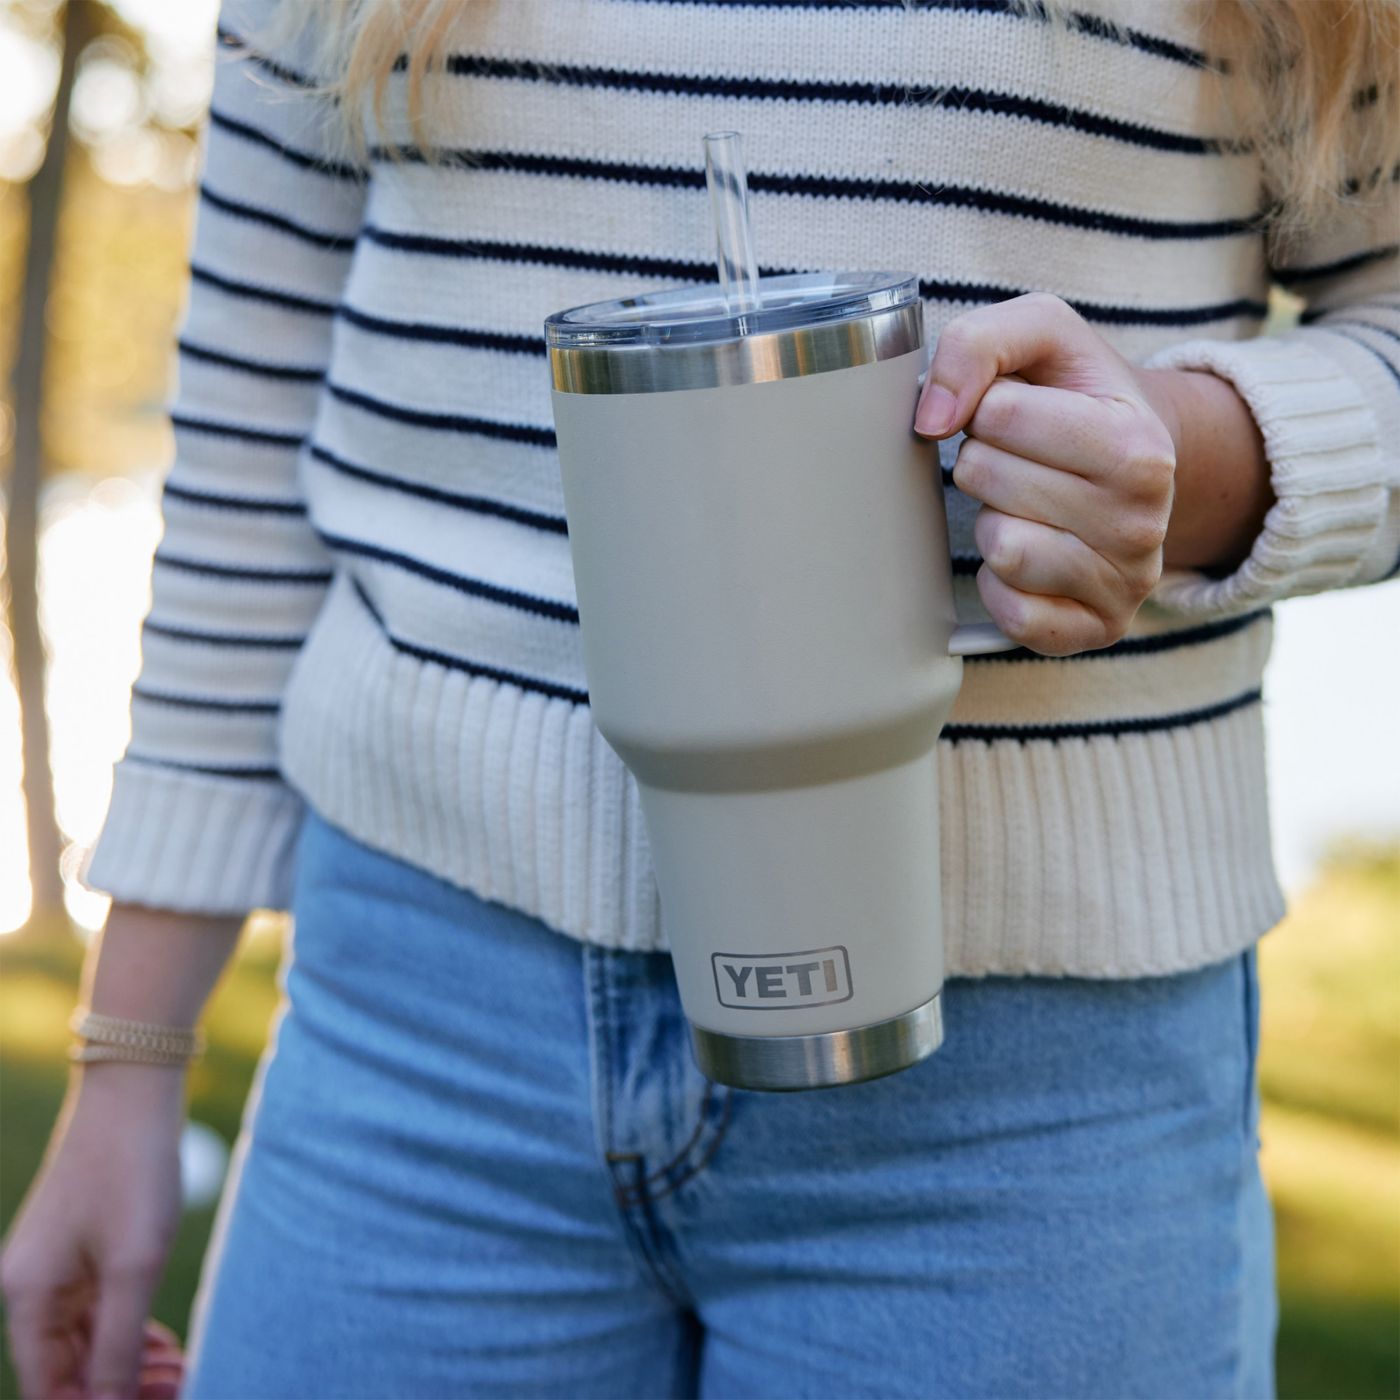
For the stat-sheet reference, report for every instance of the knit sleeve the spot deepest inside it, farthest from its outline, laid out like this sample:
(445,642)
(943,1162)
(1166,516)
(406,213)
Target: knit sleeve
(200,819)
(1326,397)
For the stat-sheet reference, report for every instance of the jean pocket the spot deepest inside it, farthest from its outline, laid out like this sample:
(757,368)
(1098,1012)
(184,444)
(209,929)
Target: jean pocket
(1249,976)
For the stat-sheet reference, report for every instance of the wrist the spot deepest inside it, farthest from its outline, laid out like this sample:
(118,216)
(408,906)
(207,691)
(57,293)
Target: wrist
(142,1090)
(1222,483)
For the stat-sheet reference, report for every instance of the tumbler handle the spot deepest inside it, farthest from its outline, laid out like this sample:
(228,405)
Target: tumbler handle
(974,638)
(979,639)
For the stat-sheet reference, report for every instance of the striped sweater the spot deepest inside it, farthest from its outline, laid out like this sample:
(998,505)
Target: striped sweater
(364,601)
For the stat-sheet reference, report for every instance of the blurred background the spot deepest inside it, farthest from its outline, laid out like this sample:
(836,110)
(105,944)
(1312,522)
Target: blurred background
(100,106)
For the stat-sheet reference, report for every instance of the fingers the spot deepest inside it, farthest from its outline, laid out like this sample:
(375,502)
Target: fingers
(38,1354)
(1104,439)
(1038,337)
(124,1298)
(1018,486)
(1125,528)
(1036,558)
(1051,626)
(162,1364)
(44,1296)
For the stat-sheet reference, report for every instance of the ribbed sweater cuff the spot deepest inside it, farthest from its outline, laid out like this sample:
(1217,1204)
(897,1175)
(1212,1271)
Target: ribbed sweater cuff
(1322,443)
(195,842)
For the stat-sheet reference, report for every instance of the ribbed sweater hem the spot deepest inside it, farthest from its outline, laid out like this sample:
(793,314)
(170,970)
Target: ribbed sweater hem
(1322,443)
(1108,856)
(196,842)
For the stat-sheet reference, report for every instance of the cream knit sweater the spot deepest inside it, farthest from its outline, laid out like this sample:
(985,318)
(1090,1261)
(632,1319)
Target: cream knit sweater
(364,601)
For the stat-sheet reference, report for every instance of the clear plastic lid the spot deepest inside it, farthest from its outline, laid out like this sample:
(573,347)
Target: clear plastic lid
(687,316)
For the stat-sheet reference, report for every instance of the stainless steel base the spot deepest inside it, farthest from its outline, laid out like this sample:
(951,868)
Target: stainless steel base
(781,1062)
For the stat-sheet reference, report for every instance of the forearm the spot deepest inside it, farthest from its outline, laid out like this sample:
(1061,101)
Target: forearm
(155,965)
(1222,485)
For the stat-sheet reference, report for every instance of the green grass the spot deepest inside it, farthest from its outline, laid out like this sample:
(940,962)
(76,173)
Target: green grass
(1329,1069)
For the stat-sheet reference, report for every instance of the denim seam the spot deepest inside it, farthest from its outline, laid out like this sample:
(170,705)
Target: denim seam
(602,996)
(648,1235)
(596,978)
(697,1167)
(685,1151)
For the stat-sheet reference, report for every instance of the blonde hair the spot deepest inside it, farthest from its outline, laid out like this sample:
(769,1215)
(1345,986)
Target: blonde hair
(1310,85)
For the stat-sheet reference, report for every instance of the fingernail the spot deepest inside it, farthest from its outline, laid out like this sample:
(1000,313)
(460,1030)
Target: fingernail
(935,412)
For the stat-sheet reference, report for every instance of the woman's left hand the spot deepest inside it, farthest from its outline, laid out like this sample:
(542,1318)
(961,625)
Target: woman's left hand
(1072,461)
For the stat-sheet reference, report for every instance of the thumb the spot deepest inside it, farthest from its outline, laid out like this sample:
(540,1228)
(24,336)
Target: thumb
(1036,337)
(124,1294)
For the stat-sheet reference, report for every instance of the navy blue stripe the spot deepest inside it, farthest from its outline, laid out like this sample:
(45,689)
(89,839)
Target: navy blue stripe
(249,641)
(1104,315)
(469,337)
(855,93)
(1099,28)
(317,577)
(1095,729)
(580,259)
(303,160)
(687,270)
(951,733)
(279,71)
(480,505)
(444,422)
(474,587)
(293,373)
(250,290)
(1290,275)
(318,238)
(1077,20)
(1366,345)
(832,187)
(1142,646)
(254,505)
(206,702)
(471,668)
(1081,23)
(1335,320)
(269,775)
(263,436)
(966,565)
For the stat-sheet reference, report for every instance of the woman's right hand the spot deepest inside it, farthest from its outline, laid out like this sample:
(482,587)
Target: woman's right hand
(87,1251)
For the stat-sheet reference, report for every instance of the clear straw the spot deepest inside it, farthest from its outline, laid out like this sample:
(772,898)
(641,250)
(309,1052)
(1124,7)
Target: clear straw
(729,203)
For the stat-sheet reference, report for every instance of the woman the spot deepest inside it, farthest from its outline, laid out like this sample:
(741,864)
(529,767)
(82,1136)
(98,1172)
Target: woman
(480,1160)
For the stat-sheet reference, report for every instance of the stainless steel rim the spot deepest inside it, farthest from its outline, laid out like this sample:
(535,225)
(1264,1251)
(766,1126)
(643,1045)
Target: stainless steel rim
(751,359)
(779,1062)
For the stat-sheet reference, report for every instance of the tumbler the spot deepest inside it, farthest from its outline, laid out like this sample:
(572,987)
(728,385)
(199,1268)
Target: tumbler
(769,637)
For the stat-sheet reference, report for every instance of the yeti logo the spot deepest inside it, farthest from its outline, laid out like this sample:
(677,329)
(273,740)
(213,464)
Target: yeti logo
(775,981)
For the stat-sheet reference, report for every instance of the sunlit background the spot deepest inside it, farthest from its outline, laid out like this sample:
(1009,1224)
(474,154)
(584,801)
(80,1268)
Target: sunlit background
(1331,1061)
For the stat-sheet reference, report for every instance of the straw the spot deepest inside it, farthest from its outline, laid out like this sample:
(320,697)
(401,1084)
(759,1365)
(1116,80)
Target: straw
(729,204)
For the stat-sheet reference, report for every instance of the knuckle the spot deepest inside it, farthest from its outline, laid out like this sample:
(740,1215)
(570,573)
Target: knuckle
(1002,544)
(1140,533)
(1149,457)
(973,470)
(998,411)
(957,338)
(1113,628)
(1007,610)
(1050,307)
(1144,579)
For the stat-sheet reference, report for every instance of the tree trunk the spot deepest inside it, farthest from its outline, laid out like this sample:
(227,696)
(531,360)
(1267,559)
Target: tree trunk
(45,192)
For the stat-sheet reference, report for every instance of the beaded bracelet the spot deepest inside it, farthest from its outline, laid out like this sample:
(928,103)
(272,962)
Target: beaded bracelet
(134,1042)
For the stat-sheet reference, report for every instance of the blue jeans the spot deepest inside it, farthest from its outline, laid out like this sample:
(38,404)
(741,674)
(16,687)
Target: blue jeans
(480,1162)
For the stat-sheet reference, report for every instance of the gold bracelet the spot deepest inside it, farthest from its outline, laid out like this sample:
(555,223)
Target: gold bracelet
(135,1042)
